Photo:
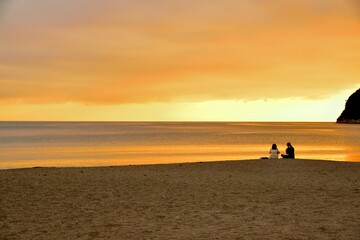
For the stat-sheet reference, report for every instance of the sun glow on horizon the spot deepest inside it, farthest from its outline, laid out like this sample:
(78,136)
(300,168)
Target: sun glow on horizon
(280,110)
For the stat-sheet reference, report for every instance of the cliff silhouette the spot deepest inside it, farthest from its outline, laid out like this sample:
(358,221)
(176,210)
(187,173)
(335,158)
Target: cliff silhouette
(351,113)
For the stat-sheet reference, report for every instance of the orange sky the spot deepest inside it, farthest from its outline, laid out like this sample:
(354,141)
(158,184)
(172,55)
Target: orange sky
(178,60)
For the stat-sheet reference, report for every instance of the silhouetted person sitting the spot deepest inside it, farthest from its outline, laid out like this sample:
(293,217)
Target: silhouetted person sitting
(290,151)
(274,152)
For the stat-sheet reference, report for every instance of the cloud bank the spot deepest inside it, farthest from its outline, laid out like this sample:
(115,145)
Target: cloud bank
(139,51)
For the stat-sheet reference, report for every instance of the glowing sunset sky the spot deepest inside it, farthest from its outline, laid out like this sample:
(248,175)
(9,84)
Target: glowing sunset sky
(231,60)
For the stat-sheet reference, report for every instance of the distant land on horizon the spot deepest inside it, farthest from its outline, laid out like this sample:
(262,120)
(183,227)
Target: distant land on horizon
(351,113)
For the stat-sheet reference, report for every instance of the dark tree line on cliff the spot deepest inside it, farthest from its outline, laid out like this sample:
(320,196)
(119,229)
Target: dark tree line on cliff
(351,113)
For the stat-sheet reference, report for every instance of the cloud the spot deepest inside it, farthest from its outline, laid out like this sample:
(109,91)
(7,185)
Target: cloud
(2,7)
(159,51)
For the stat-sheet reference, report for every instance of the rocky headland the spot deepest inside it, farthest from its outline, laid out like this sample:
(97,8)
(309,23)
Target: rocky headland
(351,113)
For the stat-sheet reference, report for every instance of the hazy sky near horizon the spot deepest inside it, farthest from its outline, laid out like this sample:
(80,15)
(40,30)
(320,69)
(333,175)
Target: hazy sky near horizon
(178,60)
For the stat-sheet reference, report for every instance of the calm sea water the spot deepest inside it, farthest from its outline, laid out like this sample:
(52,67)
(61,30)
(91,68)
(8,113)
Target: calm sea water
(29,144)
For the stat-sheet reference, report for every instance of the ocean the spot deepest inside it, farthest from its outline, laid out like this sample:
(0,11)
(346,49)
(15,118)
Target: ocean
(68,144)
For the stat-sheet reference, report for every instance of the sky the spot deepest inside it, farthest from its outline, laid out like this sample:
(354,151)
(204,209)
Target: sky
(164,60)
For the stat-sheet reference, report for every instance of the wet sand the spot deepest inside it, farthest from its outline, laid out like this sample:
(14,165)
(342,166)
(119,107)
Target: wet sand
(259,199)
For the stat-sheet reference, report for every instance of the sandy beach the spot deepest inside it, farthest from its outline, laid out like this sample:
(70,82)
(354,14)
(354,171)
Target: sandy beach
(259,199)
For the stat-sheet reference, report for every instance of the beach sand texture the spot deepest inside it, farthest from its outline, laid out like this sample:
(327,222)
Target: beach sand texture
(262,199)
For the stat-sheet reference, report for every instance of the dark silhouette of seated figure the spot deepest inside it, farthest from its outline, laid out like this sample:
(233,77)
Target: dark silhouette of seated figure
(290,151)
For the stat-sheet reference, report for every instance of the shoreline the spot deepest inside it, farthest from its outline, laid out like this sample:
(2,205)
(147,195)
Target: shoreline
(177,163)
(245,199)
